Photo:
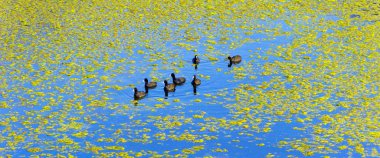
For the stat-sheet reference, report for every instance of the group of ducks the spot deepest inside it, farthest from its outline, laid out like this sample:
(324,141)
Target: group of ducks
(171,87)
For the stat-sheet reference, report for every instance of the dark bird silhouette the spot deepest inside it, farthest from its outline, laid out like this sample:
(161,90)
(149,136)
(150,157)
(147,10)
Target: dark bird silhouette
(179,80)
(138,94)
(195,82)
(149,85)
(169,88)
(234,60)
(196,60)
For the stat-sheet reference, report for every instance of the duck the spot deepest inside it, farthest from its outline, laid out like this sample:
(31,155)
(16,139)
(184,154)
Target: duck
(234,60)
(150,84)
(179,80)
(138,94)
(169,87)
(196,81)
(196,60)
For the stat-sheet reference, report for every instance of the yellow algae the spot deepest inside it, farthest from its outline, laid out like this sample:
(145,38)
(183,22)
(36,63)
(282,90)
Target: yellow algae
(211,58)
(139,154)
(159,106)
(114,148)
(75,125)
(81,134)
(117,87)
(198,148)
(197,116)
(66,140)
(46,108)
(220,150)
(188,151)
(267,129)
(34,150)
(93,148)
(207,95)
(374,134)
(124,155)
(160,99)
(360,149)
(198,100)
(326,119)
(374,152)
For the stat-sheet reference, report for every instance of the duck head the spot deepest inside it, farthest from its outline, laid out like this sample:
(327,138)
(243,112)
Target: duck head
(173,76)
(166,82)
(135,90)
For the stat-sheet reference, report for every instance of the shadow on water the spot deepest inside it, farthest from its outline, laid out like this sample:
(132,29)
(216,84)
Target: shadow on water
(166,93)
(195,90)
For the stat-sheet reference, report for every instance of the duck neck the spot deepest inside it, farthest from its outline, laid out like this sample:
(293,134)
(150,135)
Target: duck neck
(146,89)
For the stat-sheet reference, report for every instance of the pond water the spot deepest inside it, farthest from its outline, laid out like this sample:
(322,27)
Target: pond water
(307,85)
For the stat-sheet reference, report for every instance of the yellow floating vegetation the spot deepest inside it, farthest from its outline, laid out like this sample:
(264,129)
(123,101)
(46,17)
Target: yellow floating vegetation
(4,105)
(81,134)
(114,148)
(34,150)
(66,141)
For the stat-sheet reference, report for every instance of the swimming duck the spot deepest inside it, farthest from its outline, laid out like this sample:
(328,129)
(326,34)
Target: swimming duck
(169,87)
(196,60)
(138,94)
(150,84)
(195,81)
(179,80)
(234,60)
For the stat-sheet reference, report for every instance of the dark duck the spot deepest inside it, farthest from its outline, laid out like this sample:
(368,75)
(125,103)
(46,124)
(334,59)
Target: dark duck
(234,60)
(178,80)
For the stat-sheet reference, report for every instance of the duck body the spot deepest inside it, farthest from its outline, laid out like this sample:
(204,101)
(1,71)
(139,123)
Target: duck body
(196,81)
(150,84)
(169,87)
(138,94)
(196,60)
(179,80)
(235,59)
